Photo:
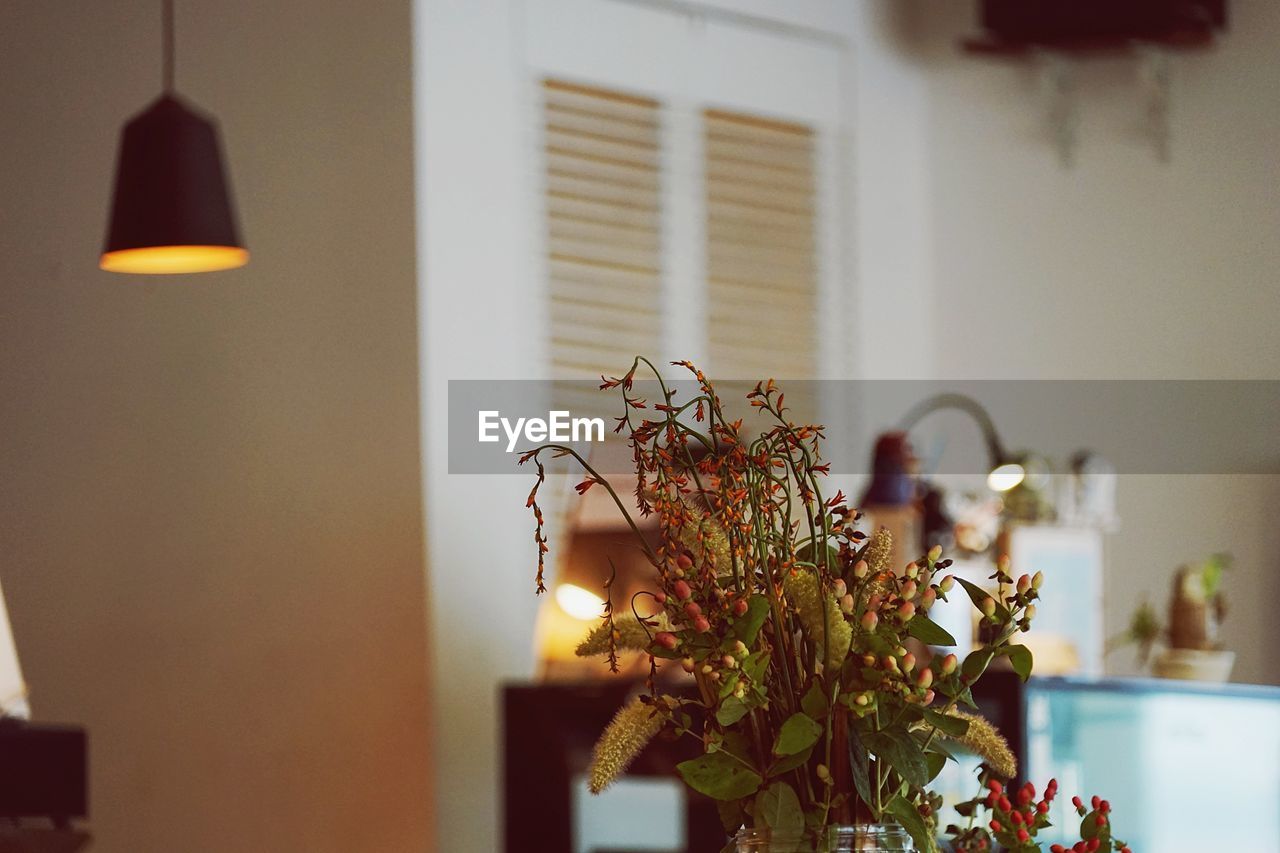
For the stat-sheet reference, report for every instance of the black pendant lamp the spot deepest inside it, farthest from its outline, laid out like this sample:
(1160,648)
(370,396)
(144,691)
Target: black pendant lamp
(172,210)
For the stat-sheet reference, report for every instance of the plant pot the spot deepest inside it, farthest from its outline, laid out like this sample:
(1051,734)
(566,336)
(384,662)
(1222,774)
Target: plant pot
(863,838)
(1194,665)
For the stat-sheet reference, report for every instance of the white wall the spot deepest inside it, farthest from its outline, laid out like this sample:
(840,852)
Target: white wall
(1121,267)
(210,517)
(481,319)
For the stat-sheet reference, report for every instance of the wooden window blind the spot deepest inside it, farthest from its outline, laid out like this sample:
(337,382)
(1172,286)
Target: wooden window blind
(762,276)
(603,214)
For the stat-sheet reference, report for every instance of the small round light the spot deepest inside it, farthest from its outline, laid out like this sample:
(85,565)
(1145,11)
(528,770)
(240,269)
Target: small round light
(578,602)
(1004,477)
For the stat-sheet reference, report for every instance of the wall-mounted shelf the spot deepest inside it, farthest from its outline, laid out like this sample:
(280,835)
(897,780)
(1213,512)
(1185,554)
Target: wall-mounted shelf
(991,45)
(1058,34)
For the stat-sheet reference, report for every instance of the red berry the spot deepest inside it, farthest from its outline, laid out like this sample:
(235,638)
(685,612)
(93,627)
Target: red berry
(1016,817)
(1104,807)
(1005,805)
(1100,820)
(994,785)
(1096,801)
(1078,847)
(992,799)
(995,826)
(681,589)
(1075,801)
(701,625)
(1023,835)
(1042,806)
(740,607)
(660,597)
(683,561)
(1093,845)
(1024,797)
(1125,850)
(1057,848)
(666,639)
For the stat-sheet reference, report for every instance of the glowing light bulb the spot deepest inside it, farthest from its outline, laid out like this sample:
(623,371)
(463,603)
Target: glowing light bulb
(578,602)
(1004,477)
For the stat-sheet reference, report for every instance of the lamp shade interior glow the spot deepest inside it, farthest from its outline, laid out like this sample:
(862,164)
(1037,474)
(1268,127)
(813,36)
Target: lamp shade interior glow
(168,260)
(578,602)
(1005,477)
(172,210)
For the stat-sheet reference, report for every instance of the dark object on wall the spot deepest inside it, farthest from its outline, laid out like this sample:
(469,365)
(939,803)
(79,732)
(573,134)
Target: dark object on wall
(1013,25)
(44,772)
(893,472)
(172,211)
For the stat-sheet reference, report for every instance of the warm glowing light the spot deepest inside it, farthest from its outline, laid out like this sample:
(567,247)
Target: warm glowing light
(578,602)
(1005,477)
(169,260)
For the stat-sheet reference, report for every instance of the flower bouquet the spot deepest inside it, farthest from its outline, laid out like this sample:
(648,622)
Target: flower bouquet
(821,729)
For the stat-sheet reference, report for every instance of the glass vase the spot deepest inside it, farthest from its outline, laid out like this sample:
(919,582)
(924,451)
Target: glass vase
(863,838)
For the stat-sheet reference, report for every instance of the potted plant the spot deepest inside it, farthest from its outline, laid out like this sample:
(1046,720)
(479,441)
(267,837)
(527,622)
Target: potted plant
(820,728)
(1197,608)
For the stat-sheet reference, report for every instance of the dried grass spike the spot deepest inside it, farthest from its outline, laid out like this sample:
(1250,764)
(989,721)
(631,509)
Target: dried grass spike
(879,550)
(802,589)
(985,741)
(632,636)
(627,734)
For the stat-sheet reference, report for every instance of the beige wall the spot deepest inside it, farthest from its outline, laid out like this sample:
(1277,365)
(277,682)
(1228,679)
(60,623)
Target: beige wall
(1122,267)
(210,517)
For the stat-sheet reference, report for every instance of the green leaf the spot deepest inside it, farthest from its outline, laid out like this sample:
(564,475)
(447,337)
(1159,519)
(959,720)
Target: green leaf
(731,710)
(755,664)
(913,823)
(975,663)
(860,764)
(814,702)
(787,763)
(902,753)
(719,776)
(799,732)
(939,746)
(977,595)
(1089,830)
(936,761)
(929,632)
(747,626)
(910,714)
(1020,657)
(779,808)
(948,725)
(730,682)
(737,743)
(731,813)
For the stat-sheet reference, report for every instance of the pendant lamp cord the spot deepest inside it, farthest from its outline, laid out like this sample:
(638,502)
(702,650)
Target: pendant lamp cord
(167,17)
